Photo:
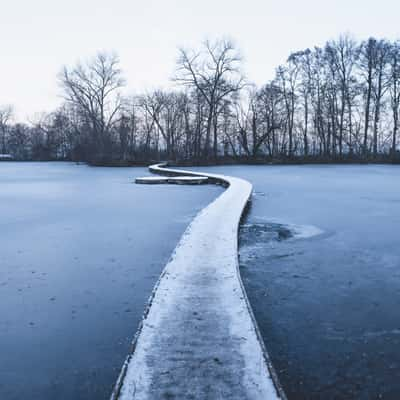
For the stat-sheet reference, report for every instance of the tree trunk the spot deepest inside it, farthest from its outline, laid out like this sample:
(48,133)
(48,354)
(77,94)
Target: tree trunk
(367,110)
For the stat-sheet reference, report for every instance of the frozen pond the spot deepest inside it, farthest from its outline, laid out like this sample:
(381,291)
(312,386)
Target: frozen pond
(320,259)
(81,249)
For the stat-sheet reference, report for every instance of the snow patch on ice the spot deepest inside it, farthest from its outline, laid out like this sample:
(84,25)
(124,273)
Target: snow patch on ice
(304,231)
(275,230)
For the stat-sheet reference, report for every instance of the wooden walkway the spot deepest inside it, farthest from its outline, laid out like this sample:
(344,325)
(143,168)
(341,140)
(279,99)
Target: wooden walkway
(199,339)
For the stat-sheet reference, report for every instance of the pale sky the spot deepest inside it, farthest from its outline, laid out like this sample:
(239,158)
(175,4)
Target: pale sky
(38,37)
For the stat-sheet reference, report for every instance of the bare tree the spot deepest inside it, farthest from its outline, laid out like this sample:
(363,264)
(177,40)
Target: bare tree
(6,115)
(304,60)
(256,122)
(214,72)
(367,63)
(93,89)
(394,73)
(287,77)
(342,55)
(167,110)
(380,87)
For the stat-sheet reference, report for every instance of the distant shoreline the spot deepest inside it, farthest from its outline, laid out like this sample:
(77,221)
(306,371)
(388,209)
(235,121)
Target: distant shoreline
(227,161)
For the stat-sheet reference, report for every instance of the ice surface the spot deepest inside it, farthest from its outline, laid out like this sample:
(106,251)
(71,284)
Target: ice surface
(81,249)
(328,305)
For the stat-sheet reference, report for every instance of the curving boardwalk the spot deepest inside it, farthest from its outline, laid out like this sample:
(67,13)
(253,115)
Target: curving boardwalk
(198,339)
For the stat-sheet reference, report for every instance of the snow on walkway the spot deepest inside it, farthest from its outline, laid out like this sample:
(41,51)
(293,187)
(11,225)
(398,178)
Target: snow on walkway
(198,339)
(179,180)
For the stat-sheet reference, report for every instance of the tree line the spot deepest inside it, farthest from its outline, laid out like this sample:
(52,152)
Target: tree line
(332,103)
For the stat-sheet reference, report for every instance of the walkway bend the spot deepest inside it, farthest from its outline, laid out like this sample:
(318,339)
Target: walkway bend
(198,338)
